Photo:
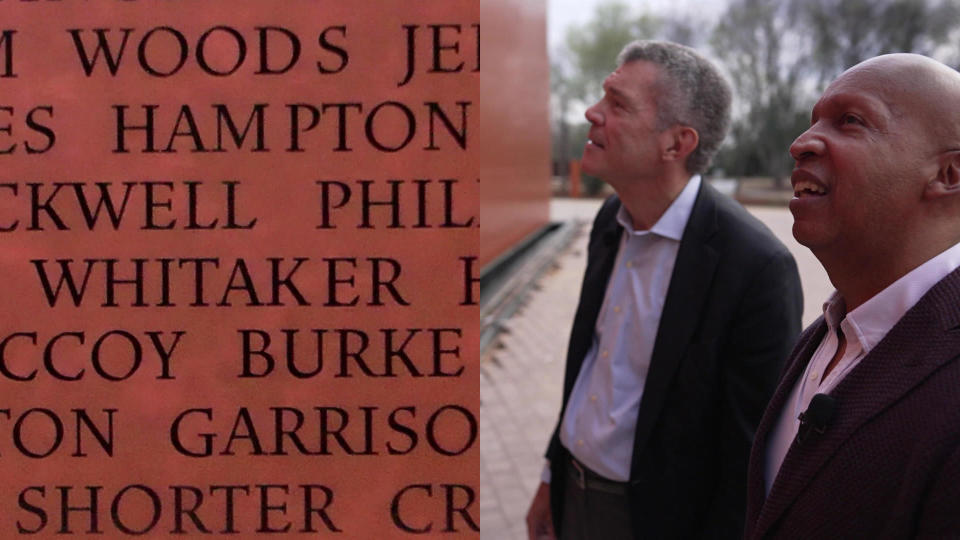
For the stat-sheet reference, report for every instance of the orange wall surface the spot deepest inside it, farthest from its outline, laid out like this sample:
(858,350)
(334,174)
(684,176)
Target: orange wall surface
(257,323)
(514,126)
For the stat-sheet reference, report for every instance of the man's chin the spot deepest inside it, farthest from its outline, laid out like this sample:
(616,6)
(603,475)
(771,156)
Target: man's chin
(588,168)
(799,233)
(808,234)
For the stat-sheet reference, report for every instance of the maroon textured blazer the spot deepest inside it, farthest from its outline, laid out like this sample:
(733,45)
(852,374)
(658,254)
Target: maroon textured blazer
(888,465)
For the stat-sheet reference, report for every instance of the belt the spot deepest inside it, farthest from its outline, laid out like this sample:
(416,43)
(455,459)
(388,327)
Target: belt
(586,479)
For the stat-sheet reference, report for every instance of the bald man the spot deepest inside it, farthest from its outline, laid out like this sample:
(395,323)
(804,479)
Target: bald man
(862,436)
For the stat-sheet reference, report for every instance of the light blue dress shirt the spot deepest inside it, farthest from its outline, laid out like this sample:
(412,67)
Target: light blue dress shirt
(600,421)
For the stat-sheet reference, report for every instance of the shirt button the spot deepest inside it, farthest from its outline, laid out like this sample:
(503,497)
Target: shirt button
(629,264)
(605,353)
(813,376)
(579,442)
(616,309)
(593,398)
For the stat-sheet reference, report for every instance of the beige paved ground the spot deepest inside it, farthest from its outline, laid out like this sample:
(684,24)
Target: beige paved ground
(520,381)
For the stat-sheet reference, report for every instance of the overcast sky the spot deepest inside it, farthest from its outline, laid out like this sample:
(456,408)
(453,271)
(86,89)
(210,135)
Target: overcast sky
(563,13)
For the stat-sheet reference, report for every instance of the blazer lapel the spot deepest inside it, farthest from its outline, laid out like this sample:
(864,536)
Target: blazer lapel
(917,345)
(603,253)
(692,274)
(803,352)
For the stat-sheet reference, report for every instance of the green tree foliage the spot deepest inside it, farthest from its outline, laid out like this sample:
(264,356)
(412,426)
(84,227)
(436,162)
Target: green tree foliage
(593,47)
(779,54)
(844,33)
(751,42)
(782,53)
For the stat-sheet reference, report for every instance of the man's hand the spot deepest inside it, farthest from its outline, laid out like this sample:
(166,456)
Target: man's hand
(539,520)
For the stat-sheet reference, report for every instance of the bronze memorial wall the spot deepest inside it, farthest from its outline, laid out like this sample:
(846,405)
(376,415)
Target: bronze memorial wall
(239,259)
(514,131)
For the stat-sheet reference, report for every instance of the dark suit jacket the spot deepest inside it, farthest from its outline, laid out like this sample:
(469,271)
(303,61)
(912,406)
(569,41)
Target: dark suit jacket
(888,465)
(731,315)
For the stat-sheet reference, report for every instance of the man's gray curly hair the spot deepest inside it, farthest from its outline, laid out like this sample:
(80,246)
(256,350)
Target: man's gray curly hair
(691,92)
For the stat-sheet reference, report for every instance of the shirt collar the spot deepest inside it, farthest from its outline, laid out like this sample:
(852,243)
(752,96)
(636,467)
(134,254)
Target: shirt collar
(672,223)
(873,319)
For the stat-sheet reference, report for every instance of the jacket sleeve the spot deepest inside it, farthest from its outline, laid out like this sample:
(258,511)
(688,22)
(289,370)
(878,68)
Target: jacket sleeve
(763,332)
(939,516)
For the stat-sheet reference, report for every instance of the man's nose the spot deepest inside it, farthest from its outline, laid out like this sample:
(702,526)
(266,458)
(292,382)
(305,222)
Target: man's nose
(593,114)
(809,144)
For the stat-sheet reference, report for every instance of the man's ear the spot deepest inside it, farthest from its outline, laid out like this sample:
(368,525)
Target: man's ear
(678,142)
(947,180)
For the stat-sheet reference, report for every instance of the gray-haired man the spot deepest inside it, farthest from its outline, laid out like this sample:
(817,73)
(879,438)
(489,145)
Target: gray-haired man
(689,307)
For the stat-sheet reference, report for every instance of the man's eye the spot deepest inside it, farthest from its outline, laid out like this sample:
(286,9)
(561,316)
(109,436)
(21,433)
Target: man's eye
(851,119)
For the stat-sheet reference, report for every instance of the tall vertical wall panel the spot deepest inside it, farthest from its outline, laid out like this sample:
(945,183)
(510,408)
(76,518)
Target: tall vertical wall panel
(514,124)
